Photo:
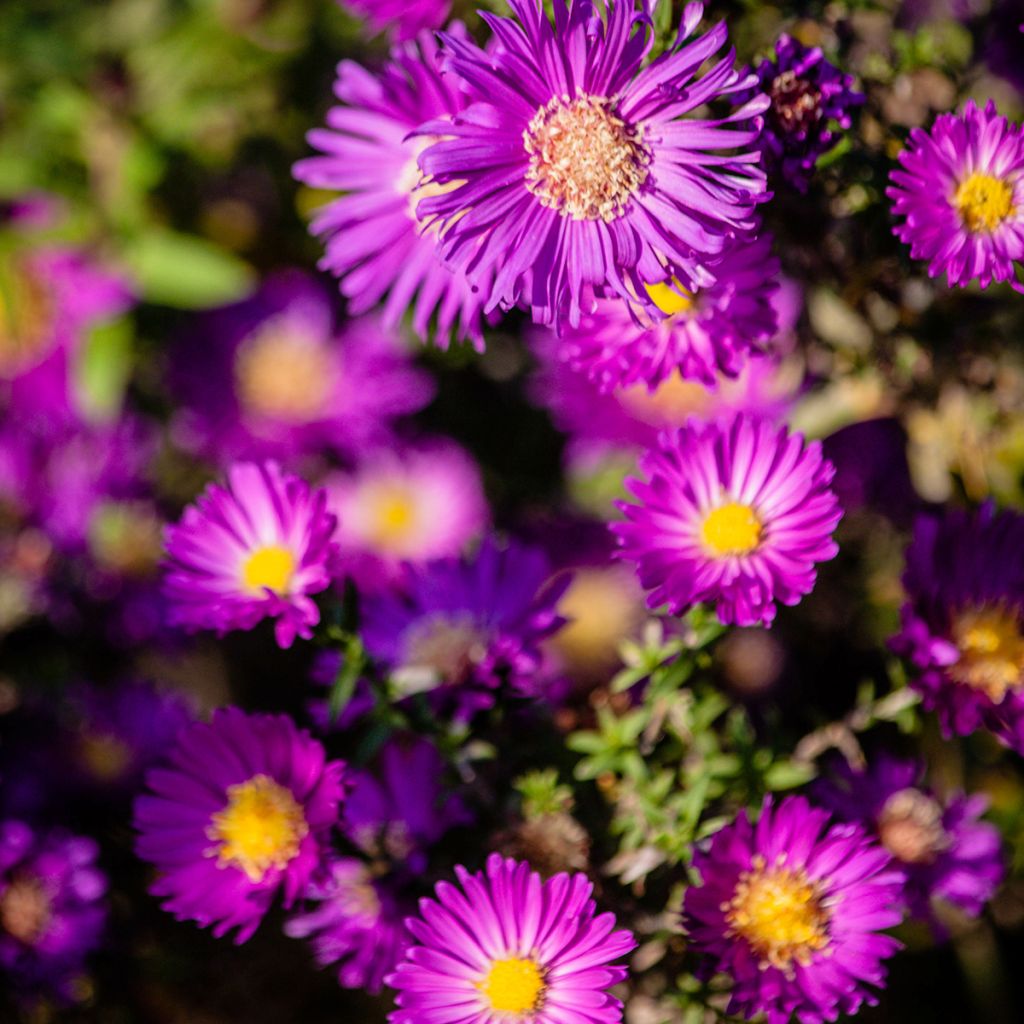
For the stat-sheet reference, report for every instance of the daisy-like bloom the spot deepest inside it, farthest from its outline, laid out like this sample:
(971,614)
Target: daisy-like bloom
(402,19)
(961,193)
(704,334)
(808,97)
(505,945)
(963,622)
(354,919)
(574,168)
(272,376)
(52,909)
(947,854)
(376,245)
(792,909)
(242,810)
(408,505)
(254,549)
(49,299)
(467,625)
(737,513)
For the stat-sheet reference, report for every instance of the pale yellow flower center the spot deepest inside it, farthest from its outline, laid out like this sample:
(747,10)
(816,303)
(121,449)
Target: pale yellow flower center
(731,529)
(282,374)
(262,827)
(671,401)
(984,202)
(106,757)
(910,827)
(779,913)
(991,650)
(514,986)
(448,647)
(392,518)
(272,566)
(27,311)
(585,161)
(25,910)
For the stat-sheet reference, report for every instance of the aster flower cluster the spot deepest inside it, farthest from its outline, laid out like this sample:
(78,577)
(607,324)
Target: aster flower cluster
(555,556)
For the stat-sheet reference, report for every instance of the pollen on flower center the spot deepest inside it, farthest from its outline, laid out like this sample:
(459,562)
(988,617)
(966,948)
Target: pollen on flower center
(670,297)
(269,567)
(25,910)
(585,161)
(514,985)
(910,827)
(991,650)
(731,529)
(282,374)
(984,201)
(796,102)
(779,913)
(262,827)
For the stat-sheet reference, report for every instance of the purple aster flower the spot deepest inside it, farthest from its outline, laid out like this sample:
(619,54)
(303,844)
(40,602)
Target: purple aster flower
(52,297)
(403,19)
(255,549)
(506,945)
(574,169)
(961,194)
(242,810)
(467,625)
(271,376)
(403,807)
(411,505)
(736,513)
(703,335)
(963,622)
(52,910)
(792,909)
(376,245)
(118,733)
(946,853)
(355,919)
(809,96)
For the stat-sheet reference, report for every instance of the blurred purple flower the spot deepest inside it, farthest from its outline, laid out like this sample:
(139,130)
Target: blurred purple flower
(402,19)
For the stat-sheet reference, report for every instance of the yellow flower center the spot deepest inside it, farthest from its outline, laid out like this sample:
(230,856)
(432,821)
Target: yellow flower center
(991,650)
(514,985)
(984,202)
(779,913)
(671,402)
(25,910)
(670,297)
(106,757)
(27,310)
(283,374)
(731,529)
(910,827)
(585,161)
(272,567)
(391,517)
(262,827)
(449,647)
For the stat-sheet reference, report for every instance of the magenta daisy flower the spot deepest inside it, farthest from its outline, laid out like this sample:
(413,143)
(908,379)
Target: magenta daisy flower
(376,245)
(703,335)
(961,194)
(947,854)
(254,549)
(737,513)
(963,622)
(242,810)
(413,505)
(792,909)
(574,168)
(505,945)
(403,19)
(52,907)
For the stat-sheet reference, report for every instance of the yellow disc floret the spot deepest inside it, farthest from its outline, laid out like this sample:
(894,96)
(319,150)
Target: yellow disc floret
(991,650)
(731,529)
(269,567)
(392,518)
(262,827)
(984,201)
(779,913)
(670,297)
(514,985)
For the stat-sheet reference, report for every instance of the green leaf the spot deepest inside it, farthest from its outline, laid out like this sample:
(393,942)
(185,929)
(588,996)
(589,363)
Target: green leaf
(184,271)
(102,369)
